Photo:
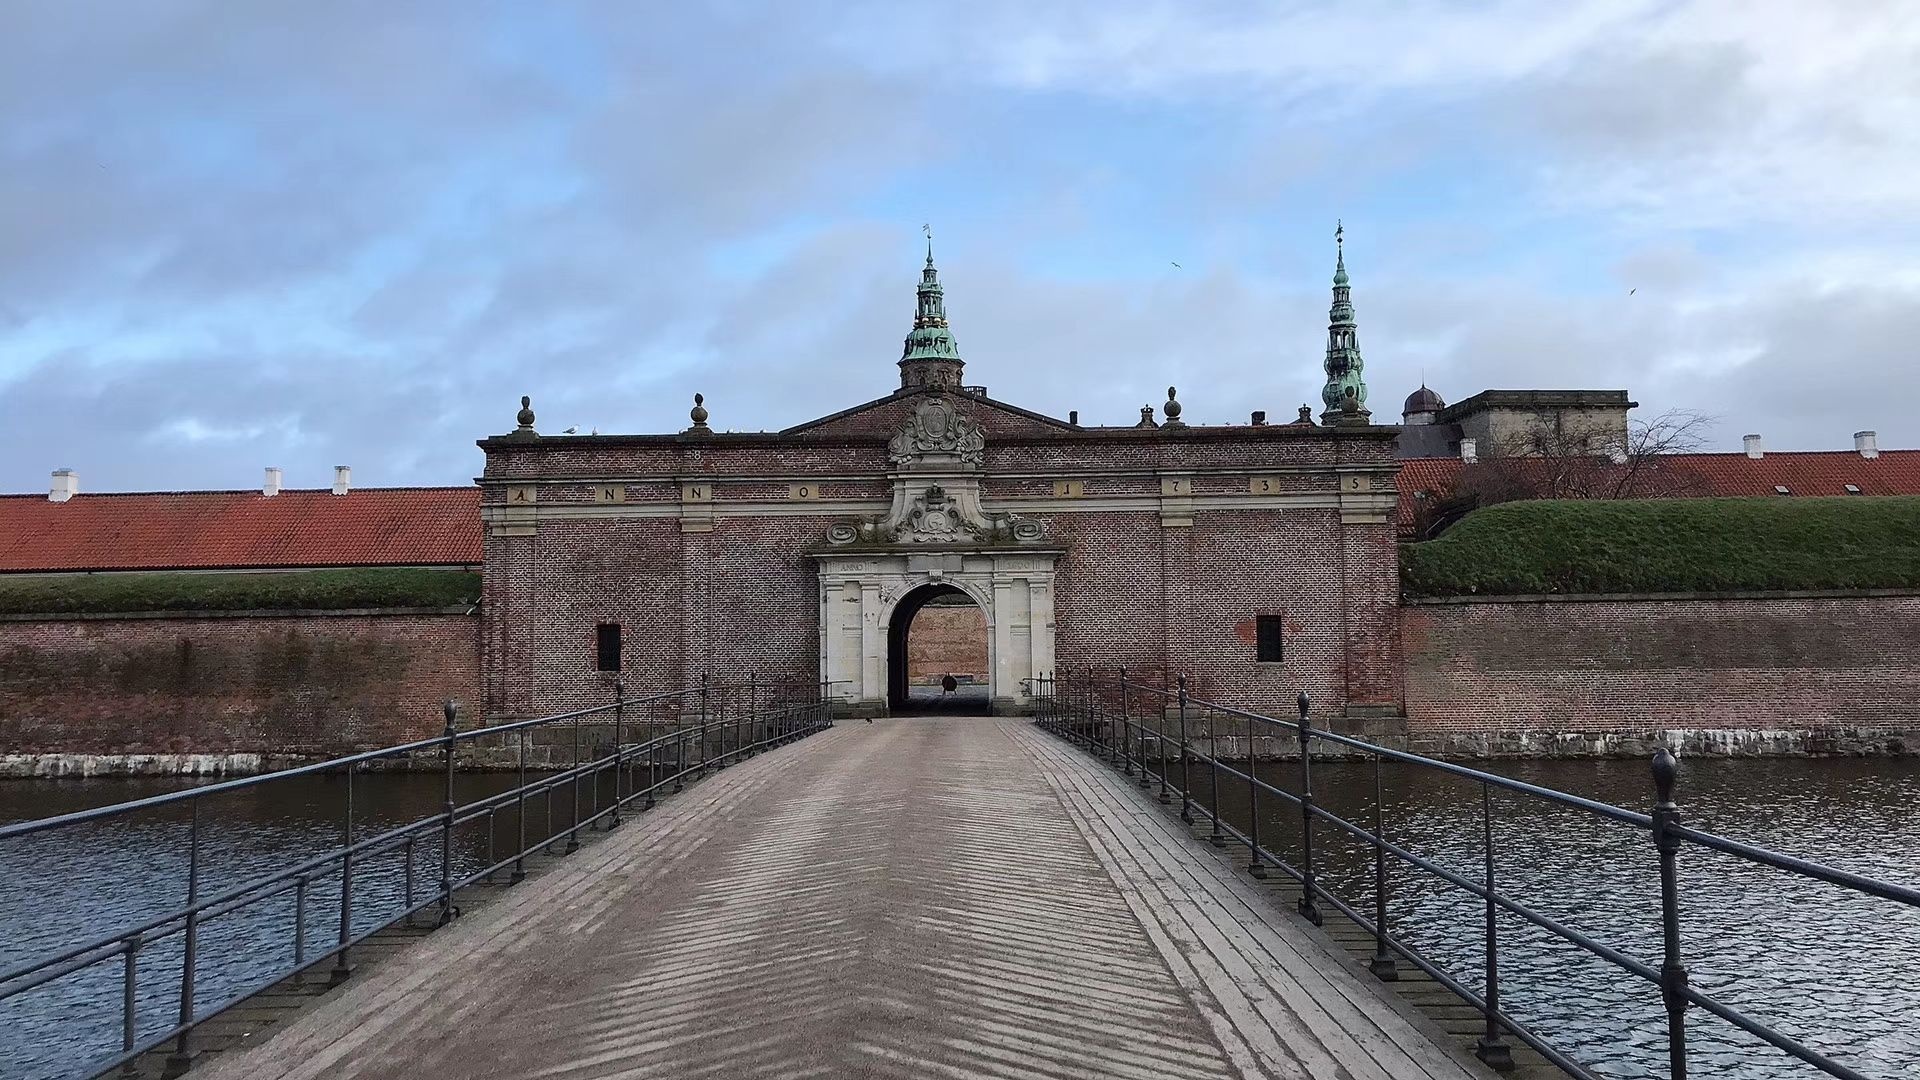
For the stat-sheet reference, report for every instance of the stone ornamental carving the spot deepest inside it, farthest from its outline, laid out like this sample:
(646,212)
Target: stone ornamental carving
(935,500)
(937,429)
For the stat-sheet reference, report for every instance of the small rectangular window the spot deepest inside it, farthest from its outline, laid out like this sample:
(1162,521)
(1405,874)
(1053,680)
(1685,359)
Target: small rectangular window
(1781,489)
(1853,489)
(1267,638)
(607,645)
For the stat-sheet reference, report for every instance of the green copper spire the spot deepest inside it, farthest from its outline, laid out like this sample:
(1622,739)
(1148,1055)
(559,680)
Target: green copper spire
(930,357)
(1343,364)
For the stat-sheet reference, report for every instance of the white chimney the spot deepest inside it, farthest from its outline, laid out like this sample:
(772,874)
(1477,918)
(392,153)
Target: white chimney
(1867,443)
(342,479)
(271,485)
(1469,450)
(1753,446)
(66,484)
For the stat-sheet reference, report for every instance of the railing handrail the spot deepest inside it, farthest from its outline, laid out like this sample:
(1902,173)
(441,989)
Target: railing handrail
(431,742)
(745,716)
(1078,714)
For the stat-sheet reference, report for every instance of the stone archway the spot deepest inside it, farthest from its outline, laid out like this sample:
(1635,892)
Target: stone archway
(935,532)
(862,593)
(901,633)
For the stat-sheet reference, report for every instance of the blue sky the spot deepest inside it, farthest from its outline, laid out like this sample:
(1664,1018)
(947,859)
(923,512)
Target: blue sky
(305,235)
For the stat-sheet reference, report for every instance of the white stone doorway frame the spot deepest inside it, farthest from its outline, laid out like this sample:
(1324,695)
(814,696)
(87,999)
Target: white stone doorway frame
(860,593)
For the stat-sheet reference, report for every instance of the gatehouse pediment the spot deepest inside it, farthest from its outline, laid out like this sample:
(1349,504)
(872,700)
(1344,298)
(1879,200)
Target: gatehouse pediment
(936,457)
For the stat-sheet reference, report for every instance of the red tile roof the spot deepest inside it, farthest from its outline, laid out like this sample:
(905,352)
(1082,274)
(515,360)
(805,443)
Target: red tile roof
(241,530)
(1822,472)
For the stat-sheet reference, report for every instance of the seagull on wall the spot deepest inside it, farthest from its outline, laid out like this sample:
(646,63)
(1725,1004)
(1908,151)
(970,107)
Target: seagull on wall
(574,430)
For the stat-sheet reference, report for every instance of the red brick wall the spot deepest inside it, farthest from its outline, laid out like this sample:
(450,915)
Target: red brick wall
(744,597)
(1735,663)
(286,684)
(947,640)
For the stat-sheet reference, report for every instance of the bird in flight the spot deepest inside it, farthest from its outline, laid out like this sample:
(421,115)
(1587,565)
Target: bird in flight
(1631,291)
(1176,266)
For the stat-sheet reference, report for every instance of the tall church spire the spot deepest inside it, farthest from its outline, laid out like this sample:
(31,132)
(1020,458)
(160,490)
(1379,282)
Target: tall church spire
(930,357)
(1343,364)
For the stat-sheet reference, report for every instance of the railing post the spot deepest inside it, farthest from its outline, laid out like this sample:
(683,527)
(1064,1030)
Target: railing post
(129,997)
(619,758)
(1673,973)
(1186,770)
(1217,837)
(653,760)
(1254,865)
(1491,1047)
(447,910)
(1160,739)
(679,743)
(703,721)
(300,922)
(573,833)
(1381,965)
(182,1056)
(1308,909)
(1127,742)
(750,738)
(520,860)
(342,967)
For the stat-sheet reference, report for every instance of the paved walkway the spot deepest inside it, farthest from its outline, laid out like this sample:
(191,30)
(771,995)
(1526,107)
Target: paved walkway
(924,897)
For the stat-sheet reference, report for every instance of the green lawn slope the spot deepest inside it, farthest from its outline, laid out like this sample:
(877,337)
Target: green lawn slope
(1671,545)
(369,587)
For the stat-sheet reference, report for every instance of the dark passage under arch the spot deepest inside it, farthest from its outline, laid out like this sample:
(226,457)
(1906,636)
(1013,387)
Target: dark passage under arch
(970,695)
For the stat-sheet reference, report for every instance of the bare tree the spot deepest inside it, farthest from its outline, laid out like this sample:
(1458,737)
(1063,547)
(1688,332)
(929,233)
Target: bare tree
(1541,462)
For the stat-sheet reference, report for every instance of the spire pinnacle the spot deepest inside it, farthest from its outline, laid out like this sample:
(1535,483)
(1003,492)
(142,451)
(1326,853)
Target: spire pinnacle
(1340,252)
(1345,393)
(930,358)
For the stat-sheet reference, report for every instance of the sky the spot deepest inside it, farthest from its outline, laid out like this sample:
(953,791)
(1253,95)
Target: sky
(304,235)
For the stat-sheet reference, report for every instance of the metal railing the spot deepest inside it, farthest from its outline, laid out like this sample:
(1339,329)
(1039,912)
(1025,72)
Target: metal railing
(1145,730)
(644,744)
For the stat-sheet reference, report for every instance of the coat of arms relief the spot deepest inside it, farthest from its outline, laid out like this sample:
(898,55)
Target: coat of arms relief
(936,493)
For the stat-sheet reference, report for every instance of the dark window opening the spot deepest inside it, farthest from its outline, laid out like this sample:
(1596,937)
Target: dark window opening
(1267,638)
(607,646)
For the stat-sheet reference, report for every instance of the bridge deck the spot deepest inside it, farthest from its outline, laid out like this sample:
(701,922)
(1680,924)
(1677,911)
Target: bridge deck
(914,898)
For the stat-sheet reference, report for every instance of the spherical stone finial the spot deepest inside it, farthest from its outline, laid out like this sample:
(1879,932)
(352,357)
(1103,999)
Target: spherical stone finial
(525,416)
(1172,409)
(699,410)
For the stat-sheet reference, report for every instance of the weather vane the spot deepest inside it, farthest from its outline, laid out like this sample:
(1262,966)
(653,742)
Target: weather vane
(1339,231)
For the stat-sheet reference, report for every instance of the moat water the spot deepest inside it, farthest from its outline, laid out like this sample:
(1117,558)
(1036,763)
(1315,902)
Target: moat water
(1835,970)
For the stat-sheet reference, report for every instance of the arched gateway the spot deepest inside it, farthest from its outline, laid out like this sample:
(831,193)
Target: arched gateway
(875,572)
(1258,560)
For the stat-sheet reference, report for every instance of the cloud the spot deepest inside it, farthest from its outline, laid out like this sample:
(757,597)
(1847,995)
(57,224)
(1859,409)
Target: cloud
(275,234)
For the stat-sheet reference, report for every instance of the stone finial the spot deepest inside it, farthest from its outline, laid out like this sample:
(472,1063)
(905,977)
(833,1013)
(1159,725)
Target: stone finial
(1146,417)
(1352,413)
(699,413)
(1172,409)
(1306,415)
(525,419)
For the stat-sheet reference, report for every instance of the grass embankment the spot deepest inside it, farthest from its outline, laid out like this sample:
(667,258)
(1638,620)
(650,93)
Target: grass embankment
(310,590)
(1671,545)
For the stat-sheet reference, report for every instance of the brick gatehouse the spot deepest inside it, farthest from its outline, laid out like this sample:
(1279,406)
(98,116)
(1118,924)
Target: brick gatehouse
(1258,559)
